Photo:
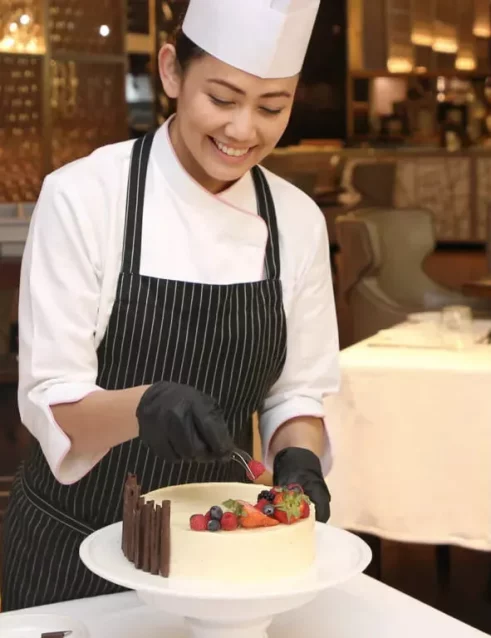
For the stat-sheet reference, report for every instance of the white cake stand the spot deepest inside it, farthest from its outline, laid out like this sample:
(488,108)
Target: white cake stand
(212,610)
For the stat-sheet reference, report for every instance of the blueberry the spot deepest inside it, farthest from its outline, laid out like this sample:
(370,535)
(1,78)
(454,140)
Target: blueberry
(214,525)
(267,495)
(268,510)
(216,513)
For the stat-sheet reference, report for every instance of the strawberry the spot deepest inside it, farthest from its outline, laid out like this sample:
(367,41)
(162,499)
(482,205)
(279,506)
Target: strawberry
(304,509)
(256,468)
(295,487)
(198,523)
(249,516)
(208,517)
(288,507)
(229,522)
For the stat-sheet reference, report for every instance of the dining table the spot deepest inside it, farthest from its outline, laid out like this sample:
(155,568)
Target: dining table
(362,607)
(410,432)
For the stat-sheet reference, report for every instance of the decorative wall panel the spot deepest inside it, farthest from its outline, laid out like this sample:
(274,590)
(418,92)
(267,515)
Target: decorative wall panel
(20,127)
(483,190)
(441,185)
(58,102)
(21,26)
(86,26)
(87,107)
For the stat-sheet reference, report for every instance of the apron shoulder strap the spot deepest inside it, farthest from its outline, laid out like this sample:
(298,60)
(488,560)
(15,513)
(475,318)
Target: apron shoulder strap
(267,211)
(135,198)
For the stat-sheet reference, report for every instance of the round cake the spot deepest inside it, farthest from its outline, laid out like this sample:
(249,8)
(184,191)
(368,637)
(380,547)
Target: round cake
(236,532)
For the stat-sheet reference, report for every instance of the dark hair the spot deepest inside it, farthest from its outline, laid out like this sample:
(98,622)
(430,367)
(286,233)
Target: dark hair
(186,49)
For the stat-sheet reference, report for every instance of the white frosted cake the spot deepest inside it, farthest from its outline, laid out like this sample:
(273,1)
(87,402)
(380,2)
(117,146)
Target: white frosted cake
(236,532)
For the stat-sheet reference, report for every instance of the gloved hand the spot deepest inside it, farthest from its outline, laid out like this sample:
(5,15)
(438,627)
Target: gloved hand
(299,465)
(178,422)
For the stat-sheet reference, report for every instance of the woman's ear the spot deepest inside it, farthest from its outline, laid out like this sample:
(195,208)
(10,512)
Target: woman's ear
(169,71)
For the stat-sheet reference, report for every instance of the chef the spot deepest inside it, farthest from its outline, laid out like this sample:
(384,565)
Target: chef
(170,289)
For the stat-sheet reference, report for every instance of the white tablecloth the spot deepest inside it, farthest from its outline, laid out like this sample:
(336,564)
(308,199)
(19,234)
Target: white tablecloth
(361,608)
(411,431)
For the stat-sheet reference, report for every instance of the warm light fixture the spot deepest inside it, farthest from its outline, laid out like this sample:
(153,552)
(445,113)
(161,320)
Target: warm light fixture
(104,30)
(422,17)
(13,26)
(445,44)
(399,65)
(482,31)
(24,19)
(482,26)
(465,63)
(466,59)
(421,39)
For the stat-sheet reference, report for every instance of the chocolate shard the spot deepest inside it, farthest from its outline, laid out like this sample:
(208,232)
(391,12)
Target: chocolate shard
(165,540)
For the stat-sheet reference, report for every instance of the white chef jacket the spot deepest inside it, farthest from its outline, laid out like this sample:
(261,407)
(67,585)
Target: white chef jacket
(72,260)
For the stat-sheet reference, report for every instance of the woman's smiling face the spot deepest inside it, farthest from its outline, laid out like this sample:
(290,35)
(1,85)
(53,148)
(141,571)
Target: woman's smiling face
(227,121)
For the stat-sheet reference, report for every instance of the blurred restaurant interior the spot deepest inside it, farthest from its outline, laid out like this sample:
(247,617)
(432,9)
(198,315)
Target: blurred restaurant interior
(391,136)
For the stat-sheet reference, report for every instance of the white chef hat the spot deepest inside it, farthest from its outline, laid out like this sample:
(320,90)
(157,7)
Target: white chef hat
(267,38)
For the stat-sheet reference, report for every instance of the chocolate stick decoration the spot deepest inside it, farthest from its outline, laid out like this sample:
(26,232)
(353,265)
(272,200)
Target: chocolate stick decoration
(165,540)
(138,536)
(146,533)
(129,503)
(155,541)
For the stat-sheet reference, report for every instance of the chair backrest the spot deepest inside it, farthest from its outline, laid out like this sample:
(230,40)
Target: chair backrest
(358,259)
(401,240)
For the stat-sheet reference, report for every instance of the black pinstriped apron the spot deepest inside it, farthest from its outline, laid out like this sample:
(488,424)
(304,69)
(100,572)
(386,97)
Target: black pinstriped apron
(228,341)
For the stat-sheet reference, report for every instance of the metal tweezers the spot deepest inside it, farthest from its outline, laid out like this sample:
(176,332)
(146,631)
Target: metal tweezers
(57,634)
(243,458)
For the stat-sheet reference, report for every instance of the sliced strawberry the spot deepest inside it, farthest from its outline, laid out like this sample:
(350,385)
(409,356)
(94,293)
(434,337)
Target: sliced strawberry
(249,517)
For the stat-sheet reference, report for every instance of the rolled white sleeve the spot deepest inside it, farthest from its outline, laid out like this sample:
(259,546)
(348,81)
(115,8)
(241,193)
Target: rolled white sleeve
(58,306)
(311,371)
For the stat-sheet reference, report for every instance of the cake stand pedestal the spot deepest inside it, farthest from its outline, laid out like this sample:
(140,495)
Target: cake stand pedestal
(214,610)
(209,629)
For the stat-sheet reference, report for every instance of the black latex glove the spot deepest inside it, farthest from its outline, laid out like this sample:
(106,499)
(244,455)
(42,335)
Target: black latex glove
(178,422)
(299,465)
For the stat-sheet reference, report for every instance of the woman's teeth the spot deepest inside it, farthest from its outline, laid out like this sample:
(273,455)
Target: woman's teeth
(231,152)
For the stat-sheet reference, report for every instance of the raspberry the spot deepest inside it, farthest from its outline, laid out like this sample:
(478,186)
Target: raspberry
(198,523)
(229,522)
(256,468)
(261,504)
